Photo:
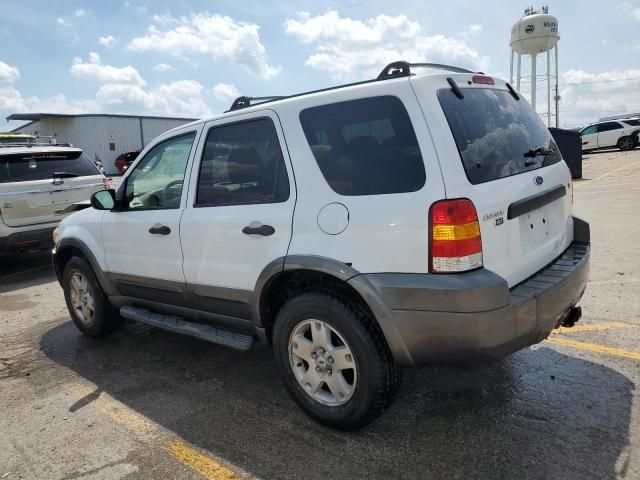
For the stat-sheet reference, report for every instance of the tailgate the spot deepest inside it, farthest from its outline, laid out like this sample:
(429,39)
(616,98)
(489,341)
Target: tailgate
(37,182)
(32,203)
(495,150)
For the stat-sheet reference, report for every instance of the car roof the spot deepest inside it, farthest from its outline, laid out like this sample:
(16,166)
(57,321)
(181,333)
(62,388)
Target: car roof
(371,83)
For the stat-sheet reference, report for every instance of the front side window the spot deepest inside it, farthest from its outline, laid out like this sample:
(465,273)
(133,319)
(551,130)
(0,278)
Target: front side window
(365,147)
(242,164)
(158,179)
(589,130)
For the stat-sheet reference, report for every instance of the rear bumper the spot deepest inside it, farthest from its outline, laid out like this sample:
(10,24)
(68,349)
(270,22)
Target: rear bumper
(28,240)
(473,316)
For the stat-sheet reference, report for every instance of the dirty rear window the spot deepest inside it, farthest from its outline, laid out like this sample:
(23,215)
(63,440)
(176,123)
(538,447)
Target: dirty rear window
(493,131)
(25,167)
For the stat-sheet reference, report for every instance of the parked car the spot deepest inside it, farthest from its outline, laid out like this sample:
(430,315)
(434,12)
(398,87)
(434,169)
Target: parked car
(411,219)
(37,182)
(125,160)
(622,134)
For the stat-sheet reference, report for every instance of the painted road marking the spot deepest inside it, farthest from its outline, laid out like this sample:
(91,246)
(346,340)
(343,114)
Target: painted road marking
(593,347)
(141,426)
(605,175)
(204,465)
(596,327)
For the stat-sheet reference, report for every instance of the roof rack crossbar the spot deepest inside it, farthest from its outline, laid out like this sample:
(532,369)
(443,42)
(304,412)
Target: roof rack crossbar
(244,102)
(403,69)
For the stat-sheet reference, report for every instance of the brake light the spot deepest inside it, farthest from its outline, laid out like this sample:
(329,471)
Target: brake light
(483,79)
(455,243)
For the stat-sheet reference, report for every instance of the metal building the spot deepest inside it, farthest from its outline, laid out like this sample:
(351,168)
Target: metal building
(101,136)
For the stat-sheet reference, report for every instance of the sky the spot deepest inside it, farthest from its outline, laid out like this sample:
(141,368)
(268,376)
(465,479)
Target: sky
(191,59)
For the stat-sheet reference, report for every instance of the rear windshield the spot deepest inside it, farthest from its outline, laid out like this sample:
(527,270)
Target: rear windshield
(365,146)
(26,167)
(497,136)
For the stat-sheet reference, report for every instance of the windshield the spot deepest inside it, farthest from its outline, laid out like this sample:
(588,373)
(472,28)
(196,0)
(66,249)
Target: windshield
(497,136)
(24,167)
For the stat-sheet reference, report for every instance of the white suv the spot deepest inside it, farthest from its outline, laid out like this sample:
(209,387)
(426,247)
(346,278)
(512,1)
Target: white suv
(622,134)
(410,219)
(37,183)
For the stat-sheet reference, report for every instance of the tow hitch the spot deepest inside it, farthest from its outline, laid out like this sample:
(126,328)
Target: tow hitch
(572,317)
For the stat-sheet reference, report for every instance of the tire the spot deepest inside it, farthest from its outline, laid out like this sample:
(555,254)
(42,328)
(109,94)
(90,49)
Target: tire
(626,143)
(93,318)
(363,392)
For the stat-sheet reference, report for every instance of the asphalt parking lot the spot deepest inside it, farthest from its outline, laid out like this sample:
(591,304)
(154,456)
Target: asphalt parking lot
(143,403)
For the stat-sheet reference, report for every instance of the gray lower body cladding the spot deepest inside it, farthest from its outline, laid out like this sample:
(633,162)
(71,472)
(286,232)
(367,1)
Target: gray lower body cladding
(443,319)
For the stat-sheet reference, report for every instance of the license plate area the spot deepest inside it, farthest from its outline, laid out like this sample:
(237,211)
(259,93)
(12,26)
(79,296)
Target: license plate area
(538,228)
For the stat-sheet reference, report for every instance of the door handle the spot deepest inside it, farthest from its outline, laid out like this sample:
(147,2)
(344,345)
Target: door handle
(264,230)
(158,229)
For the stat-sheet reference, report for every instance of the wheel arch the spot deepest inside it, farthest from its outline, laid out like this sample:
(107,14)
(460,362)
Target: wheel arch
(70,247)
(289,275)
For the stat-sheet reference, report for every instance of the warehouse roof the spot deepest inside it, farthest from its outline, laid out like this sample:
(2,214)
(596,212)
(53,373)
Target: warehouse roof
(39,116)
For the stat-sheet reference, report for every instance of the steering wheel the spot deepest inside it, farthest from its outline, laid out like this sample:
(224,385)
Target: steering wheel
(168,194)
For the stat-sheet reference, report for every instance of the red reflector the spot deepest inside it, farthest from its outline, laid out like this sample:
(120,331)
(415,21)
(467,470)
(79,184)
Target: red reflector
(456,248)
(482,79)
(26,242)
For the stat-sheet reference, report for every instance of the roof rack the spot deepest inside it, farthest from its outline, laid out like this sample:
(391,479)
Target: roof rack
(403,69)
(393,70)
(244,102)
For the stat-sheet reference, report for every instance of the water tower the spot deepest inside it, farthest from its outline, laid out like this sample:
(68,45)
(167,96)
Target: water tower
(536,32)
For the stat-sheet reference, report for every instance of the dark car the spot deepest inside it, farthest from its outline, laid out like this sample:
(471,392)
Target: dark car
(125,160)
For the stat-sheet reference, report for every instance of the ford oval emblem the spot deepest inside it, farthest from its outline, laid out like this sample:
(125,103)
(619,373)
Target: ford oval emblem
(538,180)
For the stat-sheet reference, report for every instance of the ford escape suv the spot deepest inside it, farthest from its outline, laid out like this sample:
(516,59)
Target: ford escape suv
(416,218)
(37,182)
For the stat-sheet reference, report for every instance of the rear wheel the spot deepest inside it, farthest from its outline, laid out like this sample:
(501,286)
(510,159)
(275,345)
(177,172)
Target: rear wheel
(626,143)
(87,303)
(334,360)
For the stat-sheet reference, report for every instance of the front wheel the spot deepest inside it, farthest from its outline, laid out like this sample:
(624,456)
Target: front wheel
(87,303)
(626,143)
(334,360)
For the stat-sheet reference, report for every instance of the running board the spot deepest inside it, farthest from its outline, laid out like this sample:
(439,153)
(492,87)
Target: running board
(238,341)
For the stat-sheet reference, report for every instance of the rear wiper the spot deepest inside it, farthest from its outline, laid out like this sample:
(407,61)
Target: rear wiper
(65,175)
(537,152)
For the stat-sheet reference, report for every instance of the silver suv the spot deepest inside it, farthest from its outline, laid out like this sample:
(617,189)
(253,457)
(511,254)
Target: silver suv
(37,182)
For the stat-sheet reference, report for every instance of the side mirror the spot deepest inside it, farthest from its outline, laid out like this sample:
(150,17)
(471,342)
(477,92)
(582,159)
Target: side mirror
(104,199)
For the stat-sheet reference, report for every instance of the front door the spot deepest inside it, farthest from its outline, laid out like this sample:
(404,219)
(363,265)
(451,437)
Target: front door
(239,214)
(589,137)
(142,239)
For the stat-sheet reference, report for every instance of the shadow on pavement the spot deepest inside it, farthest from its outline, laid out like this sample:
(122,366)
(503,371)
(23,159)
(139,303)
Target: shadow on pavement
(539,414)
(25,270)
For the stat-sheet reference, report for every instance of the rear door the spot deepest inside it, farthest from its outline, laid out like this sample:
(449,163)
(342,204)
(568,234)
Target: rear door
(495,150)
(240,210)
(608,134)
(36,184)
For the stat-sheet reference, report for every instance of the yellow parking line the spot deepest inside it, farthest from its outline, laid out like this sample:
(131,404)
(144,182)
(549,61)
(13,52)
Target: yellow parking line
(205,466)
(151,433)
(604,175)
(615,281)
(595,327)
(592,347)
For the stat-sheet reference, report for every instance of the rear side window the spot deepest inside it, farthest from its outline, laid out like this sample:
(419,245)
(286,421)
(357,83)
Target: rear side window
(605,127)
(242,164)
(496,134)
(633,123)
(365,147)
(27,167)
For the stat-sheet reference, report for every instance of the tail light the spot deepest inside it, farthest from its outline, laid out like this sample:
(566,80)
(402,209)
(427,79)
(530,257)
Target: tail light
(455,244)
